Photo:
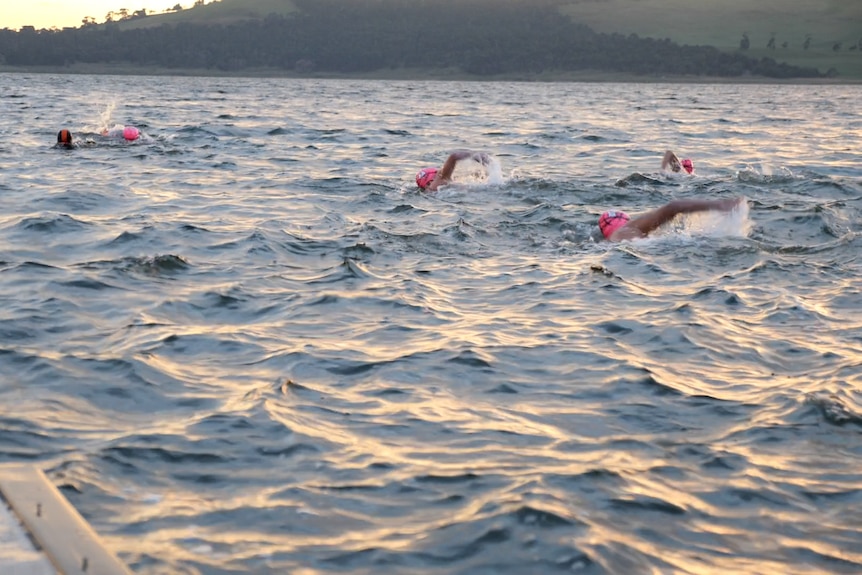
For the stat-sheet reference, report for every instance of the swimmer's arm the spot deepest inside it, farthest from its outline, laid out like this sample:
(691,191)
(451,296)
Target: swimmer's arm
(643,225)
(444,176)
(670,160)
(448,168)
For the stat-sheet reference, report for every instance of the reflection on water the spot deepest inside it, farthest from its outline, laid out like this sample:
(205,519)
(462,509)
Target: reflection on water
(246,343)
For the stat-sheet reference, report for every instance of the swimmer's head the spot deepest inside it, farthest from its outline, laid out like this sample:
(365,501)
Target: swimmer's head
(64,138)
(131,133)
(609,222)
(425,176)
(687,165)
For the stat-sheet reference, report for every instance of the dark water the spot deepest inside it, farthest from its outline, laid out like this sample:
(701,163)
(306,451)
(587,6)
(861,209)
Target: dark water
(247,344)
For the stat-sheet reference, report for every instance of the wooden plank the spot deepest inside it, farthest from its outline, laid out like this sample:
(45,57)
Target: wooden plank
(56,527)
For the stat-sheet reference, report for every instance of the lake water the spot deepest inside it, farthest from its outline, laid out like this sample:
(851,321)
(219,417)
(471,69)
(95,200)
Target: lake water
(246,342)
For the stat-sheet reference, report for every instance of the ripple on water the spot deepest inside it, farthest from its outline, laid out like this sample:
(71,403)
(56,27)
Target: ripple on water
(248,344)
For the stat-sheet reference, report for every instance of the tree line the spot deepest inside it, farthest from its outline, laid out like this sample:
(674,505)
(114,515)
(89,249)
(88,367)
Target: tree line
(481,37)
(745,43)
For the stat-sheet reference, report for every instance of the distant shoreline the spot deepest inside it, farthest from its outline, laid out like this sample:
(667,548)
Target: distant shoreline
(590,76)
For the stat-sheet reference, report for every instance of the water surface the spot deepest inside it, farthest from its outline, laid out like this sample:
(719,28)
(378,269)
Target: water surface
(246,343)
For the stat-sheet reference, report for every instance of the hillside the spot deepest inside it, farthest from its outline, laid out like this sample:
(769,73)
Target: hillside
(484,38)
(723,23)
(217,12)
(821,34)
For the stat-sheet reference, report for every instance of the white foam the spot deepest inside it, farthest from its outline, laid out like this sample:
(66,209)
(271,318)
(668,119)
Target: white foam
(471,172)
(765,173)
(104,120)
(734,223)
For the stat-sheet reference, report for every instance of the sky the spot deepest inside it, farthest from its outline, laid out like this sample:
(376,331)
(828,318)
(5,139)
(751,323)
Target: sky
(61,13)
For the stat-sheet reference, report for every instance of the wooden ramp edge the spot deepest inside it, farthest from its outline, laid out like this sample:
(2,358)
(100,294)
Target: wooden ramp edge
(55,526)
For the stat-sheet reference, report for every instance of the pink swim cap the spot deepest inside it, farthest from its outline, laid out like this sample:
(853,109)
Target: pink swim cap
(131,133)
(689,167)
(425,176)
(609,222)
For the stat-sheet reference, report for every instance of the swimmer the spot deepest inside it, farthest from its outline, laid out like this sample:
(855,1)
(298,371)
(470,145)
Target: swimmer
(64,139)
(618,226)
(128,133)
(431,178)
(675,164)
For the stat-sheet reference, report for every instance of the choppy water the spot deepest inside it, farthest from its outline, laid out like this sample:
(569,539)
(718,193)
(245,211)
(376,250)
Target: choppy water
(247,344)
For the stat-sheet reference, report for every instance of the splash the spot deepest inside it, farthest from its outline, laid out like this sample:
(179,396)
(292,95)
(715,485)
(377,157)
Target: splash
(115,131)
(765,174)
(105,116)
(473,172)
(495,172)
(734,223)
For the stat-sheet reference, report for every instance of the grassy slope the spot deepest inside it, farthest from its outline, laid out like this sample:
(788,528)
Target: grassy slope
(721,23)
(221,11)
(718,23)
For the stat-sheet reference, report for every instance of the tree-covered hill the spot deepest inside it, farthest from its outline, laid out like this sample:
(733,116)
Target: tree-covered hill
(485,38)
(817,33)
